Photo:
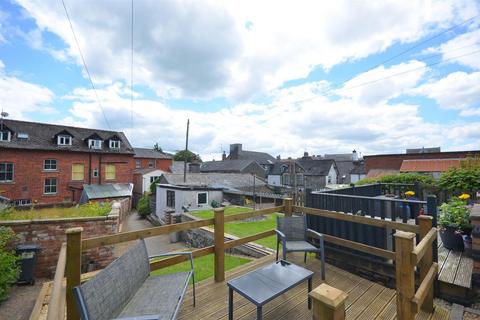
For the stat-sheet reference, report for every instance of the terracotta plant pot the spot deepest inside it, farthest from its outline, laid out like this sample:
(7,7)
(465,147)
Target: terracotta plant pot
(452,239)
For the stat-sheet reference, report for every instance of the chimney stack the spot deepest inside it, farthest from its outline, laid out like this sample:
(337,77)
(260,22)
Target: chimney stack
(224,156)
(354,155)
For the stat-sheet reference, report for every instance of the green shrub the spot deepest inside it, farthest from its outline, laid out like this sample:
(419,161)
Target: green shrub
(153,185)
(215,204)
(456,214)
(460,180)
(9,270)
(143,206)
(403,178)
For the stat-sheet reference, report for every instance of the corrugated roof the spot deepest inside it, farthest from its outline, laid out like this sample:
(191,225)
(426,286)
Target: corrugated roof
(216,180)
(429,165)
(41,136)
(150,154)
(103,191)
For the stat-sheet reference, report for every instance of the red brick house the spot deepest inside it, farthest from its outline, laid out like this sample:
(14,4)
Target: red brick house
(45,163)
(152,159)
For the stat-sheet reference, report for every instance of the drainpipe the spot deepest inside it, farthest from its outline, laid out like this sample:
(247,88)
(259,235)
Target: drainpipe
(89,168)
(100,169)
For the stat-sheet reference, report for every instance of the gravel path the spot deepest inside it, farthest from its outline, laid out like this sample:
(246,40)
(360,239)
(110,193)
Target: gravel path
(21,301)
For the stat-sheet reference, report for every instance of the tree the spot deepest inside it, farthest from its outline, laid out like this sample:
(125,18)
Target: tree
(156,147)
(186,155)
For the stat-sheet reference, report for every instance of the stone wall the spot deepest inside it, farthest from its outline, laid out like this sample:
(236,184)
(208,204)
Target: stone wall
(203,237)
(49,234)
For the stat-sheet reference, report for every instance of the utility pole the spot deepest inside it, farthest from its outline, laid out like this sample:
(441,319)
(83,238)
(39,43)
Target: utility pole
(186,149)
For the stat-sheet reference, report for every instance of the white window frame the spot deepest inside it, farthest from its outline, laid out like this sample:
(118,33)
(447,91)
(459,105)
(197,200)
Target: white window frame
(50,186)
(50,169)
(151,163)
(114,144)
(2,135)
(64,140)
(206,198)
(5,172)
(138,163)
(95,173)
(94,144)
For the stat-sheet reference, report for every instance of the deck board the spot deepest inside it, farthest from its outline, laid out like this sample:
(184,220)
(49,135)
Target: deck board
(366,299)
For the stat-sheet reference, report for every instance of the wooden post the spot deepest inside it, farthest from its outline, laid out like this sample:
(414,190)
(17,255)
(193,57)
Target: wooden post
(404,274)
(328,303)
(219,238)
(73,269)
(432,211)
(288,203)
(425,224)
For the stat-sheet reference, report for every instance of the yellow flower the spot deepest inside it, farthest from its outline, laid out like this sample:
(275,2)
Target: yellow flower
(409,193)
(464,196)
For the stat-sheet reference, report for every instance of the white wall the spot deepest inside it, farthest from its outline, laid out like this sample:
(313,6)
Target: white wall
(333,176)
(274,180)
(356,177)
(146,179)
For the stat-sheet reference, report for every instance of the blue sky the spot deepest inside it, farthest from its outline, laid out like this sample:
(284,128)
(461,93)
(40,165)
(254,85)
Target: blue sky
(281,78)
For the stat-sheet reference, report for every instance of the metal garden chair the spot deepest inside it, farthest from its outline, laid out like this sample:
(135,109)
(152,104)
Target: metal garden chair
(126,290)
(293,233)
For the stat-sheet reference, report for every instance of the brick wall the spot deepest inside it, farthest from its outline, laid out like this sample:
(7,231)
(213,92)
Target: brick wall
(394,161)
(162,164)
(29,174)
(49,234)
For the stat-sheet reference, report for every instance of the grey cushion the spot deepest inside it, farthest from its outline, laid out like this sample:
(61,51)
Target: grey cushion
(109,291)
(159,295)
(300,246)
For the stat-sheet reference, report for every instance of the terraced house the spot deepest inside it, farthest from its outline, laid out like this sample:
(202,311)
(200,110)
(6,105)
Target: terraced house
(44,163)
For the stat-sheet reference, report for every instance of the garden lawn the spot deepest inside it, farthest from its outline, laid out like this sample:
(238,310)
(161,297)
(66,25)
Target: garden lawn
(93,209)
(203,266)
(243,228)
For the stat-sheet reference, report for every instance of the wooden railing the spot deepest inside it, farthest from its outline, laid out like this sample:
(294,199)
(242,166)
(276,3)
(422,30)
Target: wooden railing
(406,256)
(69,263)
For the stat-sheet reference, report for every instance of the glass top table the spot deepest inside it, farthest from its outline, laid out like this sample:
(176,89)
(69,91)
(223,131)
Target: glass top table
(265,284)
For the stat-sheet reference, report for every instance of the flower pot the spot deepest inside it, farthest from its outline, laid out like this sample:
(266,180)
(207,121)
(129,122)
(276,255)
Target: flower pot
(452,239)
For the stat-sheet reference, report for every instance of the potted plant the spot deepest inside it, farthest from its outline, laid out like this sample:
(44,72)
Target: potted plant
(454,221)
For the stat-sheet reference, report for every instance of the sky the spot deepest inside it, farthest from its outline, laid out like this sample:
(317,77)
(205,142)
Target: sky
(279,77)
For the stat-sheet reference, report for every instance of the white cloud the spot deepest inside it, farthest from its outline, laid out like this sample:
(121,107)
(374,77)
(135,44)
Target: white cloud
(318,125)
(463,49)
(381,84)
(18,97)
(458,90)
(236,49)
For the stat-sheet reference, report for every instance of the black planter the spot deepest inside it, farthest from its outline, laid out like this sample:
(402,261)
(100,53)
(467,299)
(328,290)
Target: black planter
(451,239)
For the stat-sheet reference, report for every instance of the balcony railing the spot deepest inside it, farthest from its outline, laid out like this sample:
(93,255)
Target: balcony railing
(406,257)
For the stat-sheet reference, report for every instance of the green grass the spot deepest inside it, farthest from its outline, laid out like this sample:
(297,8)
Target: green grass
(208,214)
(203,266)
(242,228)
(93,209)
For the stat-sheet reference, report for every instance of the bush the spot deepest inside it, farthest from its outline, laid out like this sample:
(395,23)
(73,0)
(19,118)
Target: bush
(153,185)
(143,206)
(455,214)
(460,180)
(403,178)
(215,204)
(9,270)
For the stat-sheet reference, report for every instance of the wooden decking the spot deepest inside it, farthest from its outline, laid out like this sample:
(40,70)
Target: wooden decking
(366,299)
(454,267)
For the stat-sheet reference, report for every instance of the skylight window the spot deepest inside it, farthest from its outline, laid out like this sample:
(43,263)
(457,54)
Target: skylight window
(22,135)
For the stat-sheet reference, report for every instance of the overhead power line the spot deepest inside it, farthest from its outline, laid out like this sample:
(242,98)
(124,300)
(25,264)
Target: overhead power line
(85,65)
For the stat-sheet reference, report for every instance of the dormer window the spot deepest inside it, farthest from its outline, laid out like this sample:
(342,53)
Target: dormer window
(94,144)
(64,140)
(5,135)
(114,144)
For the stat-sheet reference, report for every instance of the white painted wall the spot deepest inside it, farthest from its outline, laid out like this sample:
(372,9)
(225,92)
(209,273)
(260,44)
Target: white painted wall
(332,176)
(274,180)
(146,179)
(356,177)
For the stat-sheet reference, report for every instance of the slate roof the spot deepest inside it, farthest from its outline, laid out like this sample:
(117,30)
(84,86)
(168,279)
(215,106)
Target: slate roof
(278,168)
(214,180)
(260,157)
(358,168)
(316,167)
(150,154)
(429,165)
(339,156)
(177,167)
(41,136)
(225,165)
